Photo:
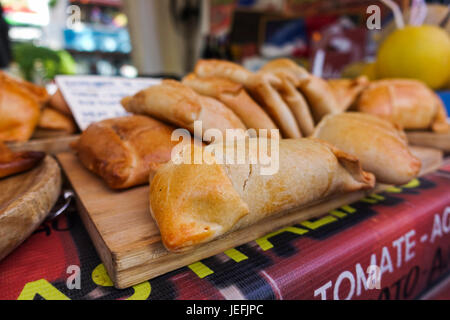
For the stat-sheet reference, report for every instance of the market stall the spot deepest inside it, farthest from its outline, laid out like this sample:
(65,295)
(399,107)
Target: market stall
(289,151)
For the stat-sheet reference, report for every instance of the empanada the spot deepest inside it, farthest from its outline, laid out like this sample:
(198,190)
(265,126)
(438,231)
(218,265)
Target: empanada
(267,96)
(291,76)
(320,97)
(298,105)
(228,70)
(19,109)
(347,91)
(407,103)
(125,151)
(196,203)
(179,105)
(58,102)
(289,68)
(39,93)
(235,97)
(381,148)
(261,87)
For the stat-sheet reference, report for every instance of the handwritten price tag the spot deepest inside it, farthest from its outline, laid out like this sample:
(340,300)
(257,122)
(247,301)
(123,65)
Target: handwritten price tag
(95,98)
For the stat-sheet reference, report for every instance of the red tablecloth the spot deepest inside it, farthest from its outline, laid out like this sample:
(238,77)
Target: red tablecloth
(405,231)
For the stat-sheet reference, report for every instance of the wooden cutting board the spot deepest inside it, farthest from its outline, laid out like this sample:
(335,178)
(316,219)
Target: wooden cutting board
(25,200)
(128,240)
(429,139)
(50,145)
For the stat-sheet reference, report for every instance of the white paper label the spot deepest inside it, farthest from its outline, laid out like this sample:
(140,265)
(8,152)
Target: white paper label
(95,98)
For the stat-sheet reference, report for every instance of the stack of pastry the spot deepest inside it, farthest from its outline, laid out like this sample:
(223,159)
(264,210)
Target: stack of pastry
(335,139)
(25,107)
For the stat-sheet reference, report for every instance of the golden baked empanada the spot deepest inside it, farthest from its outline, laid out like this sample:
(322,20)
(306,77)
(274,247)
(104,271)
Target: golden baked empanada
(267,96)
(407,103)
(289,68)
(235,97)
(196,203)
(260,85)
(347,91)
(125,151)
(58,102)
(291,76)
(179,105)
(19,109)
(55,120)
(381,148)
(320,97)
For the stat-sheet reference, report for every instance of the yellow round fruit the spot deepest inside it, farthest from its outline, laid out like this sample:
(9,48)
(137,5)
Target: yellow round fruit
(420,52)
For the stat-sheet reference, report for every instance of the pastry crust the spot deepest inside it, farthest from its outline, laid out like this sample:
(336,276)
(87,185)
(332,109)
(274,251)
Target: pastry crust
(125,151)
(295,73)
(381,148)
(19,109)
(347,91)
(298,105)
(407,103)
(267,96)
(37,92)
(179,105)
(320,97)
(16,162)
(55,120)
(291,75)
(235,97)
(194,204)
(58,102)
(223,69)
(260,85)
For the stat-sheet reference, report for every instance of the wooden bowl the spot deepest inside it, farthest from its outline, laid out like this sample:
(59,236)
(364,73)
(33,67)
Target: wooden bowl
(25,200)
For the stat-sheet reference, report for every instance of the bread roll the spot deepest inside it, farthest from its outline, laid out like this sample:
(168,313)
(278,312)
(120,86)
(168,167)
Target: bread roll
(16,162)
(381,148)
(196,203)
(125,151)
(235,97)
(179,105)
(407,103)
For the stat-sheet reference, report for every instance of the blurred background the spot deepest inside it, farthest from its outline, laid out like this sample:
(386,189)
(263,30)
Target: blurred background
(165,37)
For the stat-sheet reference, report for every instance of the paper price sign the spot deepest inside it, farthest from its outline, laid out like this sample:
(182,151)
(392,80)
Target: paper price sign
(95,98)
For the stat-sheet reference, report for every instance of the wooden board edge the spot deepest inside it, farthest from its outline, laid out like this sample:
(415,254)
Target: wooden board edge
(429,140)
(49,145)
